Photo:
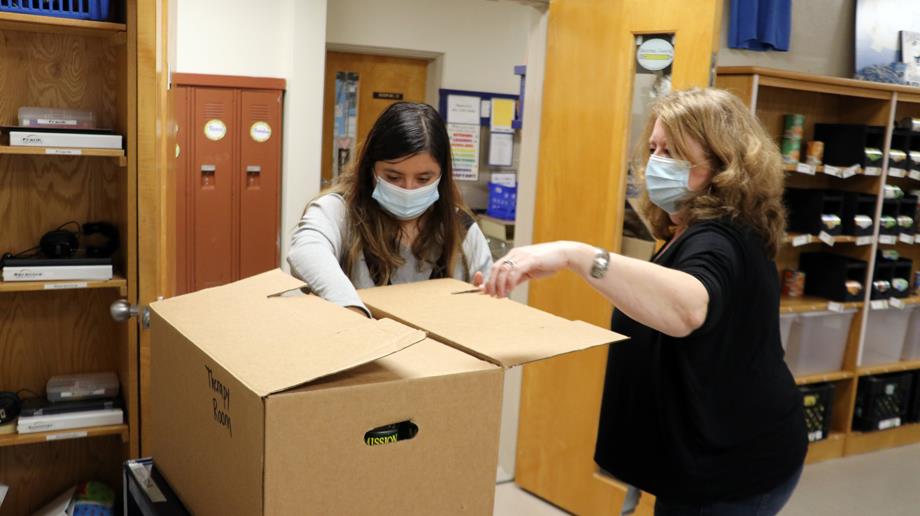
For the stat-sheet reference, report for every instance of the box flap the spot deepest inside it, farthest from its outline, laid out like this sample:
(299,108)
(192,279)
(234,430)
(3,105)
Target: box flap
(502,331)
(272,343)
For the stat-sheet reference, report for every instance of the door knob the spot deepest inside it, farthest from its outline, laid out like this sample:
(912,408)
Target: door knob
(121,310)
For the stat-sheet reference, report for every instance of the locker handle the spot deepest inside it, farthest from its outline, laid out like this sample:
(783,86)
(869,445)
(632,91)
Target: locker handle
(208,168)
(253,169)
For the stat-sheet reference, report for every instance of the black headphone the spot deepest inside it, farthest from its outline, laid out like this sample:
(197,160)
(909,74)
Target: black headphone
(63,243)
(109,243)
(10,406)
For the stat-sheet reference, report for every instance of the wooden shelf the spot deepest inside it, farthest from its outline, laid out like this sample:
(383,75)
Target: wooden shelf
(788,305)
(831,448)
(894,367)
(118,282)
(77,433)
(835,376)
(54,151)
(820,170)
(803,239)
(866,442)
(35,23)
(773,77)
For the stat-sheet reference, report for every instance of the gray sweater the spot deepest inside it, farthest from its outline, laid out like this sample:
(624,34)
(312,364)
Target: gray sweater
(318,249)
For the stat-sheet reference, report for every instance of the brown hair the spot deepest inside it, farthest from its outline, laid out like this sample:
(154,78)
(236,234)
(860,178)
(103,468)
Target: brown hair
(747,181)
(403,130)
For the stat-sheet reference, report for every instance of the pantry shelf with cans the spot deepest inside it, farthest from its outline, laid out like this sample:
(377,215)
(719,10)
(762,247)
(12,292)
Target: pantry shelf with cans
(850,310)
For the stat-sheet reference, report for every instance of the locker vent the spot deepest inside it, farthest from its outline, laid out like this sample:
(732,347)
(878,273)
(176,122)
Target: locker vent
(259,111)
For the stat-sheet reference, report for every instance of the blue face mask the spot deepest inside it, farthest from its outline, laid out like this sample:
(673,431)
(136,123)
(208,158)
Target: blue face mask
(666,181)
(405,204)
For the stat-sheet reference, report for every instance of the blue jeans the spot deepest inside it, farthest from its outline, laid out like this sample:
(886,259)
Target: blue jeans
(765,504)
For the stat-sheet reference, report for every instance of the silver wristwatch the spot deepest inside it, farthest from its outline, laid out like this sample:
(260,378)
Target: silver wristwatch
(600,263)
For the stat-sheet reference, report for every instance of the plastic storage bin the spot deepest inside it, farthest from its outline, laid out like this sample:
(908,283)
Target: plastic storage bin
(882,401)
(885,332)
(78,9)
(817,400)
(911,350)
(56,118)
(913,414)
(82,386)
(785,327)
(817,342)
(502,201)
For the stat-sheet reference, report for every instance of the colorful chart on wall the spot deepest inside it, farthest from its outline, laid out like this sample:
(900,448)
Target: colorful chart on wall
(464,150)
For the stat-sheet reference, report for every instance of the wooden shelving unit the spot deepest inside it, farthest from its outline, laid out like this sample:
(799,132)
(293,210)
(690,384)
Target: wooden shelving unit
(64,327)
(77,433)
(773,93)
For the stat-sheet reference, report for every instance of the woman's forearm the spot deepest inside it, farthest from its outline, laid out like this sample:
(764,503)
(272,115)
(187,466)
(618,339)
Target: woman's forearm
(670,301)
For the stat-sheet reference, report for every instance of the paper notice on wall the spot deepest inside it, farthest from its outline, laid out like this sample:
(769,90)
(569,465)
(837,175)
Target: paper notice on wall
(463,109)
(502,115)
(501,149)
(464,149)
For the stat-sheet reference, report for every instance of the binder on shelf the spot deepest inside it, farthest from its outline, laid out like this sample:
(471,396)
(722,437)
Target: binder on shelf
(19,138)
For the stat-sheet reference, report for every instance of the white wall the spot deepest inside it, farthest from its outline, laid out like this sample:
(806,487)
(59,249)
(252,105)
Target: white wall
(278,38)
(821,41)
(481,40)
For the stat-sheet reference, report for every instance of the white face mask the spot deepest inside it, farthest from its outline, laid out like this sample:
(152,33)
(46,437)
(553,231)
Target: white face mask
(667,182)
(405,204)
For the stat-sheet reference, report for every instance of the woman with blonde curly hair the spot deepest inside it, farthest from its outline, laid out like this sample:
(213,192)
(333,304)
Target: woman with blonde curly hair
(699,407)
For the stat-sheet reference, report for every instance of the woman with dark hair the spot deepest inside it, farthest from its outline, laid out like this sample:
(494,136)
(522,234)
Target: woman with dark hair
(395,217)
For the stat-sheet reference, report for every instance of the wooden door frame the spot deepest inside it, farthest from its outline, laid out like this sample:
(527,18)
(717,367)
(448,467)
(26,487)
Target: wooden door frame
(153,275)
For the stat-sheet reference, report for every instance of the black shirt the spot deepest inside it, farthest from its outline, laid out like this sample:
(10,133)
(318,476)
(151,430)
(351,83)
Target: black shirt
(715,415)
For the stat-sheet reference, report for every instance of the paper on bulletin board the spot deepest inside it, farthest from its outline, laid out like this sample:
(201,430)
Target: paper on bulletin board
(502,115)
(463,109)
(464,150)
(501,149)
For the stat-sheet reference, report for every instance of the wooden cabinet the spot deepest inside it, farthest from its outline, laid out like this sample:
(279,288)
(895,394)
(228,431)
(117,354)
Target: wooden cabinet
(54,328)
(228,180)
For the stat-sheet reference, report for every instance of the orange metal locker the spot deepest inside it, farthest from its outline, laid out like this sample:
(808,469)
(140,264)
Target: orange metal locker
(228,178)
(260,181)
(212,187)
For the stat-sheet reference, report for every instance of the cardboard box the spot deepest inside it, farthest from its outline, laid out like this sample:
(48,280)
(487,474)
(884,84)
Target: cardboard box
(261,402)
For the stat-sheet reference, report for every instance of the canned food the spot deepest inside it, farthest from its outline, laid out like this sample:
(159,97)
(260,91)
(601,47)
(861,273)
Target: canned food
(896,155)
(814,153)
(793,283)
(873,155)
(854,288)
(830,221)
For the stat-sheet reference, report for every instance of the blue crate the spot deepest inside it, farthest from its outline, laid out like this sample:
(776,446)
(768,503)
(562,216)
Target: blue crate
(502,201)
(78,9)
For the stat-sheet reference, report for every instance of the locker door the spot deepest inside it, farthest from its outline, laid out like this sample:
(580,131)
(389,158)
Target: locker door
(259,181)
(215,132)
(182,153)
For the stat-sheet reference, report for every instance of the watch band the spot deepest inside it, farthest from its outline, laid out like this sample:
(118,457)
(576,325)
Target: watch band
(600,264)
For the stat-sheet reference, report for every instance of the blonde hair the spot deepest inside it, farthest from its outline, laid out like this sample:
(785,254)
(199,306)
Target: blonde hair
(747,181)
